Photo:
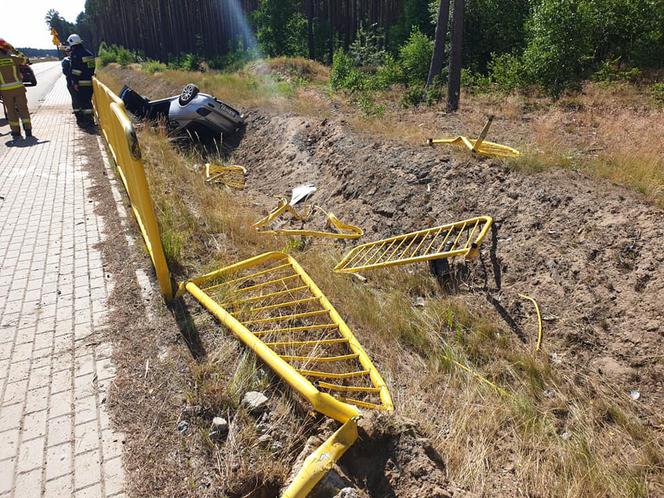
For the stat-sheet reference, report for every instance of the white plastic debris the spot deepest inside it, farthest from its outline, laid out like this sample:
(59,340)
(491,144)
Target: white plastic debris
(634,394)
(300,193)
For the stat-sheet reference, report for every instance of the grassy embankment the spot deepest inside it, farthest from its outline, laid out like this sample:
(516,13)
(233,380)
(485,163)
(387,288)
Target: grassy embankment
(556,433)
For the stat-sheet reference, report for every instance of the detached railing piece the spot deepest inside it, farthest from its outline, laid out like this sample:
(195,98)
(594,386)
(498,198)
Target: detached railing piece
(479,146)
(343,230)
(274,307)
(447,241)
(120,136)
(231,176)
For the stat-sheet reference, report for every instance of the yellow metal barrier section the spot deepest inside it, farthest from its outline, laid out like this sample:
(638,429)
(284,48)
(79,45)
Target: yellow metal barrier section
(447,241)
(231,176)
(479,146)
(121,139)
(343,230)
(273,306)
(322,460)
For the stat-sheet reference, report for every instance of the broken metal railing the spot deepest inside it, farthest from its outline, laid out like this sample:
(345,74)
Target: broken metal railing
(272,305)
(232,176)
(447,241)
(479,146)
(342,230)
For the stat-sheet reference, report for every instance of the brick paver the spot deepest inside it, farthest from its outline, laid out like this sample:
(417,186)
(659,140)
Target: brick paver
(55,439)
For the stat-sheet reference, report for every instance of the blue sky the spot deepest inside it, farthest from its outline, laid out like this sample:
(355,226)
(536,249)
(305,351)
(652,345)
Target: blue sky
(22,21)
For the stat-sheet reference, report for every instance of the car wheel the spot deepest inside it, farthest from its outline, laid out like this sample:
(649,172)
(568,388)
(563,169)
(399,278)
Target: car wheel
(188,94)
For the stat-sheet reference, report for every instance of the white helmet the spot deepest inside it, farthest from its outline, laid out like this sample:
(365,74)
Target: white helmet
(74,40)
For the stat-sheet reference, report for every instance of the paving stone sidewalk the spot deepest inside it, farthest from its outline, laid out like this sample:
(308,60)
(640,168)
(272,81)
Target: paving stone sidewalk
(55,435)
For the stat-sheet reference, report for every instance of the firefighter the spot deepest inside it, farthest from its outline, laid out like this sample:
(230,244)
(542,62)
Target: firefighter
(12,90)
(66,70)
(82,70)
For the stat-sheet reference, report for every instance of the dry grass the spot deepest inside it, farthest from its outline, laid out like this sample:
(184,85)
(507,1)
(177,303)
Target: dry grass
(556,434)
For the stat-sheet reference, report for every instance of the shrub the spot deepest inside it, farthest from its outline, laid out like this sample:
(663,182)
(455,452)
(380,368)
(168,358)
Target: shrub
(610,70)
(118,54)
(344,74)
(368,48)
(152,66)
(657,92)
(390,73)
(413,96)
(415,57)
(507,71)
(558,50)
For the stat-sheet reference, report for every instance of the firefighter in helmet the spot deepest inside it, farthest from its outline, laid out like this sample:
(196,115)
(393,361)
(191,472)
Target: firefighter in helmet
(82,70)
(12,90)
(66,70)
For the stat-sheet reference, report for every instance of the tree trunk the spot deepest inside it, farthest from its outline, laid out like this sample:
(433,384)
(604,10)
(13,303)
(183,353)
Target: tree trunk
(454,80)
(439,43)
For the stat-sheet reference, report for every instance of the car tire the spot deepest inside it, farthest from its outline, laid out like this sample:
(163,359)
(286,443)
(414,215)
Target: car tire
(188,93)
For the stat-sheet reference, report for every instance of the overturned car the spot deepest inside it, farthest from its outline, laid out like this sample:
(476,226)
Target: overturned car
(197,114)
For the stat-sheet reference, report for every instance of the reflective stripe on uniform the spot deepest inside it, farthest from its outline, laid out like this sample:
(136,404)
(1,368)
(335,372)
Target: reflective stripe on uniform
(26,121)
(87,111)
(87,58)
(11,86)
(85,83)
(76,72)
(13,123)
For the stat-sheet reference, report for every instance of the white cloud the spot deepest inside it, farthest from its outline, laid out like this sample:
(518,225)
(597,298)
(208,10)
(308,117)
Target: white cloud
(22,21)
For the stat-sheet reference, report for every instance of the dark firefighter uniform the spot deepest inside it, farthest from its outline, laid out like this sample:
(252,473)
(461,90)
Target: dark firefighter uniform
(13,92)
(66,70)
(82,70)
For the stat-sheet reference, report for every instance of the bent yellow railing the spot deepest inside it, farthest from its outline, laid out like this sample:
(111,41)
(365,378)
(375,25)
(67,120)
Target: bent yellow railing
(479,146)
(343,230)
(321,461)
(272,305)
(447,241)
(121,139)
(232,176)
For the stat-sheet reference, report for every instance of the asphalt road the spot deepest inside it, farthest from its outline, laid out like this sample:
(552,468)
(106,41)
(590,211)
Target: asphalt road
(47,74)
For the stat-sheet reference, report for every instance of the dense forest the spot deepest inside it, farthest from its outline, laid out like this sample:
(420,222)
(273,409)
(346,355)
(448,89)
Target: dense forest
(515,43)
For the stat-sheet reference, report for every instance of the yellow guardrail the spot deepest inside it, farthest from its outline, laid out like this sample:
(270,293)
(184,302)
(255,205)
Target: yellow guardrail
(479,146)
(343,230)
(447,241)
(120,136)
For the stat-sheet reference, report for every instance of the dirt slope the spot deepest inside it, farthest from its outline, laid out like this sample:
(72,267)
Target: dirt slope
(590,252)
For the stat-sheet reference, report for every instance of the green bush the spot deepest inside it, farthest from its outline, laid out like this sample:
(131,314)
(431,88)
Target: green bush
(609,71)
(368,48)
(389,74)
(344,75)
(415,57)
(414,95)
(152,66)
(115,53)
(507,72)
(657,92)
(281,28)
(558,51)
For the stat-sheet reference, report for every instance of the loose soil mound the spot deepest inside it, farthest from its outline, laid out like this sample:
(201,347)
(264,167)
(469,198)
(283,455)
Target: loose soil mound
(589,251)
